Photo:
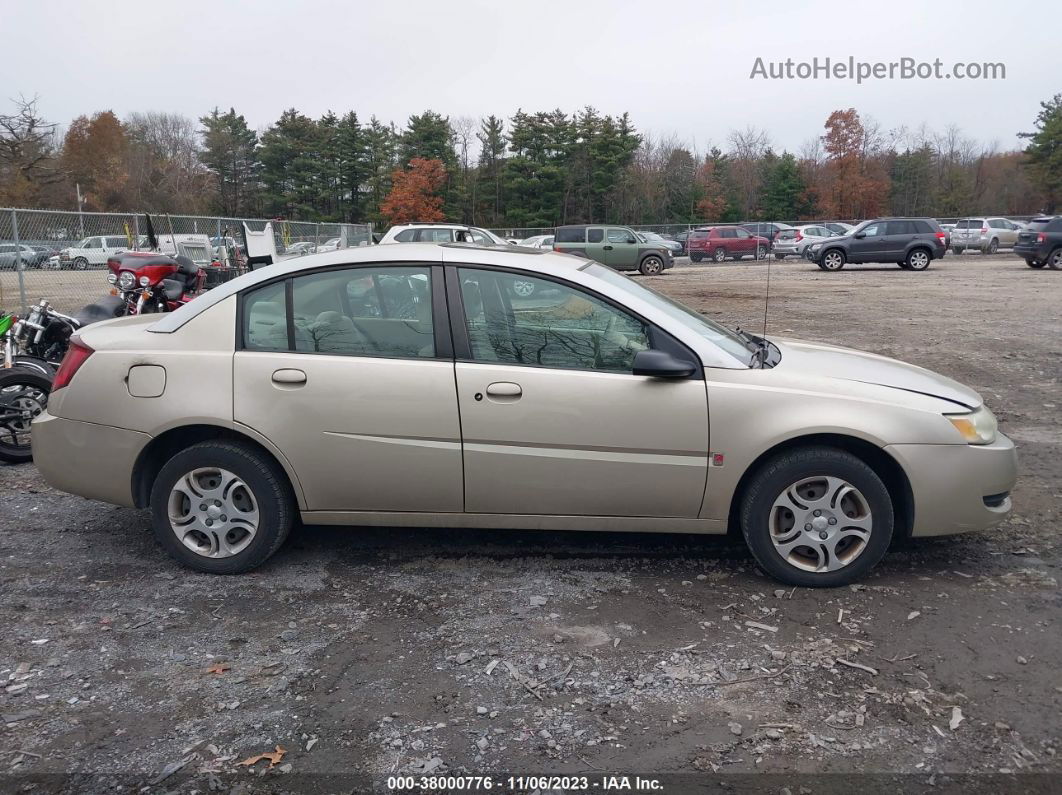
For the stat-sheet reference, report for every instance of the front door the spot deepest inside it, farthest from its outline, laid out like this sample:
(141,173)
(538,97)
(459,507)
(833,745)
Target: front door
(553,421)
(870,246)
(621,248)
(745,243)
(345,372)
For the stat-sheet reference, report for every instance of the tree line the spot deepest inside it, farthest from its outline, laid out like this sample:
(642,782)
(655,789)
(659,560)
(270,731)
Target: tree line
(533,169)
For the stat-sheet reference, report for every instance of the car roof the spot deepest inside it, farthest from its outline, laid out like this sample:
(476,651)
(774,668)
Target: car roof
(540,260)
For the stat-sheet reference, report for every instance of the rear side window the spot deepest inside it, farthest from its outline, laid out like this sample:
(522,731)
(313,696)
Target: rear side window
(901,228)
(595,235)
(405,236)
(925,227)
(265,324)
(571,235)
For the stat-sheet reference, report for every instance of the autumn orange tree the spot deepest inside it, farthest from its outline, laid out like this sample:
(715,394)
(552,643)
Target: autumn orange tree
(94,156)
(414,192)
(856,182)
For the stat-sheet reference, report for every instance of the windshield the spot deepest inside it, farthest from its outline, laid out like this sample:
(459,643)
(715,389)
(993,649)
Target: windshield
(719,335)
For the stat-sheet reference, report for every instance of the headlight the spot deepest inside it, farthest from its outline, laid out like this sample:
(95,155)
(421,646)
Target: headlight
(112,278)
(977,427)
(144,281)
(126,280)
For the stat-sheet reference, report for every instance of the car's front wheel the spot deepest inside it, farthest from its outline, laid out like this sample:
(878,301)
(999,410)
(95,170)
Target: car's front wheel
(832,260)
(651,266)
(817,517)
(80,264)
(695,257)
(761,252)
(221,507)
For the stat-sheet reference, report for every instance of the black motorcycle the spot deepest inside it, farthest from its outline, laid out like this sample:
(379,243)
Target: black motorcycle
(33,348)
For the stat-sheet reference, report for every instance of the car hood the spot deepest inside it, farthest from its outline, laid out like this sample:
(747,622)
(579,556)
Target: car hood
(831,361)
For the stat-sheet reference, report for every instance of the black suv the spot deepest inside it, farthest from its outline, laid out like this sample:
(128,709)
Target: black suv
(912,243)
(1040,243)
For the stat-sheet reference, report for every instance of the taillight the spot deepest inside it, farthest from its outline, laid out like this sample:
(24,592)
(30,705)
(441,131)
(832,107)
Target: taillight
(799,236)
(1041,238)
(984,230)
(941,235)
(76,355)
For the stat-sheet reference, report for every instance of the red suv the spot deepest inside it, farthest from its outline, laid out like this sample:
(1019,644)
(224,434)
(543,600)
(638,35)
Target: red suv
(720,242)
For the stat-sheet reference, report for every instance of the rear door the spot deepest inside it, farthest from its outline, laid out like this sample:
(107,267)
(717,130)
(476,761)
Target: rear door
(349,372)
(900,233)
(553,420)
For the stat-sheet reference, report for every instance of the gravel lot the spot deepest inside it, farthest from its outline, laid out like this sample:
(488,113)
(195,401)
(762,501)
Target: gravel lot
(365,653)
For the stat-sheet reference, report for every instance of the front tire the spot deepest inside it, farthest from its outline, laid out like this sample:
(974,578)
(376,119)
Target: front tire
(651,266)
(221,507)
(695,257)
(761,252)
(832,260)
(81,264)
(817,517)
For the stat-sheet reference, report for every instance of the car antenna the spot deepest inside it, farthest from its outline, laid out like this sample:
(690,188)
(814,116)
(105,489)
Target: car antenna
(766,302)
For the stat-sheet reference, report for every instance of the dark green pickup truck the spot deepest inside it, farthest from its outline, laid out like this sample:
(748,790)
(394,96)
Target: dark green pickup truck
(615,246)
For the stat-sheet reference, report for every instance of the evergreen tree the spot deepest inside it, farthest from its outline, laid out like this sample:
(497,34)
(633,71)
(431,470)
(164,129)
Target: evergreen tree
(1043,155)
(492,145)
(785,195)
(290,167)
(230,151)
(381,152)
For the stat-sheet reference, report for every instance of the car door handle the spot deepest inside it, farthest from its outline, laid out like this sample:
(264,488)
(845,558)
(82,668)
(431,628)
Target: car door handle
(504,391)
(290,377)
(606,248)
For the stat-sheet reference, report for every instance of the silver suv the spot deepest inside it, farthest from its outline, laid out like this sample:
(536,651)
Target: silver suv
(985,234)
(441,233)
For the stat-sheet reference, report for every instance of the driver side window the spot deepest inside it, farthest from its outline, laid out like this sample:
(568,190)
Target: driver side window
(523,320)
(873,230)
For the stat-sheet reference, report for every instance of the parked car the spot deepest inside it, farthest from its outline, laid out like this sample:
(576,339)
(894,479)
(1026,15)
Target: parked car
(838,227)
(682,238)
(93,252)
(441,233)
(537,241)
(300,249)
(14,256)
(725,242)
(248,409)
(912,243)
(985,234)
(764,229)
(1040,243)
(796,240)
(329,245)
(618,247)
(652,237)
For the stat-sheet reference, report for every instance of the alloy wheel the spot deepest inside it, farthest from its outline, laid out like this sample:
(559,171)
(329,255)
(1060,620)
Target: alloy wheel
(213,512)
(832,260)
(720,254)
(918,260)
(820,524)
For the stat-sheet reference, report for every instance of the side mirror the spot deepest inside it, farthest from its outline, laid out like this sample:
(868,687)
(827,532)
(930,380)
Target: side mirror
(661,364)
(860,235)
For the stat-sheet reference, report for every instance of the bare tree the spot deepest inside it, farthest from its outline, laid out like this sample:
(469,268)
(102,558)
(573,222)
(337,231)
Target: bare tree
(28,153)
(746,150)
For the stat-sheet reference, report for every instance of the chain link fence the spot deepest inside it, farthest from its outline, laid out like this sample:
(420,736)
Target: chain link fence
(62,256)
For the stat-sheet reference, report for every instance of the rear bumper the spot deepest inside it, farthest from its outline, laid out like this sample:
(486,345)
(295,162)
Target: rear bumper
(1036,252)
(94,461)
(958,488)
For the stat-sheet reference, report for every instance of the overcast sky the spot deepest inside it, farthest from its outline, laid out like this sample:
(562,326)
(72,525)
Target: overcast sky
(678,66)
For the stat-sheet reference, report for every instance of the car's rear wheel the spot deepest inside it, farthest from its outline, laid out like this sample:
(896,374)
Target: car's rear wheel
(816,517)
(651,266)
(832,260)
(1034,263)
(1054,259)
(903,265)
(957,250)
(918,259)
(779,256)
(221,507)
(993,246)
(23,395)
(720,254)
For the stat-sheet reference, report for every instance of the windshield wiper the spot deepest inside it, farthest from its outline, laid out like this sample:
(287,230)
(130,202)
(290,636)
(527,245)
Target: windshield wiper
(758,347)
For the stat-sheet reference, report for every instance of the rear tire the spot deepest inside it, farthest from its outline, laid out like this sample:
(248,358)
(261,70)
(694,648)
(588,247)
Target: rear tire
(23,391)
(719,255)
(918,259)
(776,514)
(993,246)
(1054,260)
(779,256)
(1034,263)
(957,250)
(244,480)
(695,257)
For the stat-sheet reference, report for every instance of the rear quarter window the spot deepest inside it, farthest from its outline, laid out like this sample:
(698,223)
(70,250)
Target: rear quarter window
(405,236)
(570,235)
(595,235)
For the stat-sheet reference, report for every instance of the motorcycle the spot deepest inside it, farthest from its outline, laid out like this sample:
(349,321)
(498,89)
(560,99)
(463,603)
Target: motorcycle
(147,281)
(33,347)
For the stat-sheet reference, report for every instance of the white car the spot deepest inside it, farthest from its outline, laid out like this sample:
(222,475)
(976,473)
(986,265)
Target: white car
(441,233)
(93,252)
(329,245)
(537,241)
(795,241)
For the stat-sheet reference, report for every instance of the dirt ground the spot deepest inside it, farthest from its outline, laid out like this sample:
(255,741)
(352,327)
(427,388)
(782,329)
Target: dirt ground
(364,654)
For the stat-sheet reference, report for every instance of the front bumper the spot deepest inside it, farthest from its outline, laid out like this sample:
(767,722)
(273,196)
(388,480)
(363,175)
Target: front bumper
(94,461)
(950,484)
